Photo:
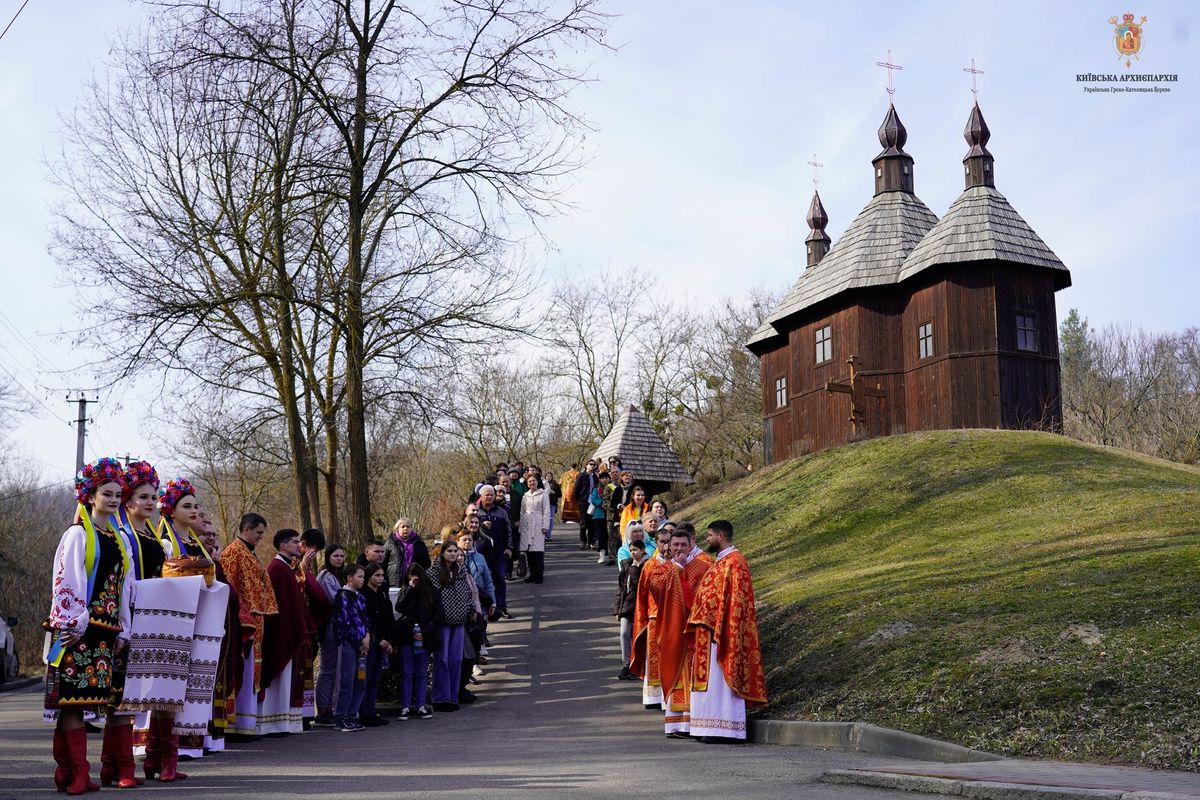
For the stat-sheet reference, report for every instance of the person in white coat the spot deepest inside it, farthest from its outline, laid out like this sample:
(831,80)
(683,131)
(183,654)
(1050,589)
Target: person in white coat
(535,523)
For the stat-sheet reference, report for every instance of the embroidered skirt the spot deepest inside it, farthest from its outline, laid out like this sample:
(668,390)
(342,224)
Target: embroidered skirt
(84,678)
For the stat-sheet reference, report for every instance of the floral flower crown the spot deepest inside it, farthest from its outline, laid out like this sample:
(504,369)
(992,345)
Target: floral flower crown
(170,495)
(93,476)
(136,474)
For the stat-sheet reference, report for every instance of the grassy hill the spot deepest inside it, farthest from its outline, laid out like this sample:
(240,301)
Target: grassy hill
(948,583)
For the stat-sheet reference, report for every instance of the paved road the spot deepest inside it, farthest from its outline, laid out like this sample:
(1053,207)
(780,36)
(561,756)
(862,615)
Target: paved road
(552,722)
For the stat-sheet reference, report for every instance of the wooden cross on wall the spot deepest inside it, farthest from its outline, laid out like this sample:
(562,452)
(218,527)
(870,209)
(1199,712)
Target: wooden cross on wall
(858,397)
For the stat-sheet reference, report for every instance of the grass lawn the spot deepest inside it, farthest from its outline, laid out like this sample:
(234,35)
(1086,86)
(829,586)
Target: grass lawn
(943,583)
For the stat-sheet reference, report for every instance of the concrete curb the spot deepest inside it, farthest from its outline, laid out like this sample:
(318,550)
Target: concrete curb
(987,790)
(861,737)
(19,683)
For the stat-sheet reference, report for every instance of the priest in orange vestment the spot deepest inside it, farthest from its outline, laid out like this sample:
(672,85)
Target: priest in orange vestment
(692,564)
(727,670)
(657,649)
(249,579)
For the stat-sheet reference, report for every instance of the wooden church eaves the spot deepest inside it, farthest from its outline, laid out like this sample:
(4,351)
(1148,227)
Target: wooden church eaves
(870,253)
(982,225)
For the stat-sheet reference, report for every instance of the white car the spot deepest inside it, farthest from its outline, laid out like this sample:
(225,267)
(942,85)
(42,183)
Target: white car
(10,664)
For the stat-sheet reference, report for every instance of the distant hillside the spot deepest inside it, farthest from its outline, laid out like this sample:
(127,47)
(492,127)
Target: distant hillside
(1012,591)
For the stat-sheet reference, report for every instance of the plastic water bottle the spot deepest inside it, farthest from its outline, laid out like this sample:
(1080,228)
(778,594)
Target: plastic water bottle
(418,639)
(361,673)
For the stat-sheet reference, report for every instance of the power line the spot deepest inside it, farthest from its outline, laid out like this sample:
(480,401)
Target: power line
(14,19)
(37,489)
(4,368)
(41,361)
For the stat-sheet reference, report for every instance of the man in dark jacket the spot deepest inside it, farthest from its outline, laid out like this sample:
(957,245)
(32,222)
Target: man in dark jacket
(402,548)
(496,524)
(584,483)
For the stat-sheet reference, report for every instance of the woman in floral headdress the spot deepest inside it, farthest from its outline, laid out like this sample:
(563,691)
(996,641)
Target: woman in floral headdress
(146,556)
(180,515)
(89,620)
(141,497)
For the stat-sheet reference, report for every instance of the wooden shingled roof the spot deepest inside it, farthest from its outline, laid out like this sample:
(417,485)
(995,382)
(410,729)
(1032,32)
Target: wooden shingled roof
(642,450)
(895,237)
(869,253)
(982,225)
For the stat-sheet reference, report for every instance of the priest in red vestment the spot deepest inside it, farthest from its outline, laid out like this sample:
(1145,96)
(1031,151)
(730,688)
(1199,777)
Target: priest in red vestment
(246,576)
(727,670)
(280,709)
(658,624)
(692,564)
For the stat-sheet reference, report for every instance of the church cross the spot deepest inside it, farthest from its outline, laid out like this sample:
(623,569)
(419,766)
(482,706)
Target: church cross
(971,69)
(889,66)
(858,397)
(816,171)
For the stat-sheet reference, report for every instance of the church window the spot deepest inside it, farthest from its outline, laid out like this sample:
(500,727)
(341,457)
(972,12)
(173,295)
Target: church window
(824,340)
(781,391)
(1027,338)
(925,340)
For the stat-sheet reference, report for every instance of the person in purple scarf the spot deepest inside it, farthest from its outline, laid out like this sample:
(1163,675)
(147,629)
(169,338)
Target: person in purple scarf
(402,549)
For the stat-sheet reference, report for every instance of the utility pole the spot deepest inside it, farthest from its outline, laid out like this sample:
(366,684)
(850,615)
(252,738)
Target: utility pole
(80,427)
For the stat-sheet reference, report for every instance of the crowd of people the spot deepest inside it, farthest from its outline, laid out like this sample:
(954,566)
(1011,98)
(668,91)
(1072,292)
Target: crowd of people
(174,642)
(686,614)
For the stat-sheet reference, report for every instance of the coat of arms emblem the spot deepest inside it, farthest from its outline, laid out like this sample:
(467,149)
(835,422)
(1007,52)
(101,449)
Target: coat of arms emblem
(1127,37)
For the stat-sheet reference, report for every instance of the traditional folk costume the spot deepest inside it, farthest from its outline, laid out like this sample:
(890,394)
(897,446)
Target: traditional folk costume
(658,624)
(248,578)
(125,738)
(90,602)
(188,560)
(677,698)
(727,670)
(285,639)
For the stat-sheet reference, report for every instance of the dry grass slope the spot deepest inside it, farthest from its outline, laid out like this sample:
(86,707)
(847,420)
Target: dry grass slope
(946,584)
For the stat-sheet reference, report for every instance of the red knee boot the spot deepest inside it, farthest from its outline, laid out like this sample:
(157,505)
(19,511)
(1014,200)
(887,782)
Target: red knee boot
(77,751)
(152,764)
(62,757)
(116,758)
(170,752)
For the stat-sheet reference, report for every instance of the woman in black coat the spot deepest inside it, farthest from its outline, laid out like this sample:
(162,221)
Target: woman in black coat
(383,636)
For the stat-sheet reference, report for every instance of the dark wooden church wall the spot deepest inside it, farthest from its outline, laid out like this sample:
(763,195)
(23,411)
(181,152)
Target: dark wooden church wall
(1030,381)
(777,422)
(928,401)
(975,378)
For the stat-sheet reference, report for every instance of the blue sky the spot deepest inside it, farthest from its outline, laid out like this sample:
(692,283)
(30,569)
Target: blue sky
(706,115)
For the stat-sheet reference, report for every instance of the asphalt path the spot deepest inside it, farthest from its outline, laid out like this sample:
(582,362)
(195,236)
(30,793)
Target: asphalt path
(552,721)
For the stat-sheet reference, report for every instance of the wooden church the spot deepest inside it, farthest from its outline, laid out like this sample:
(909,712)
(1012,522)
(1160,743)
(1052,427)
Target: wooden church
(911,323)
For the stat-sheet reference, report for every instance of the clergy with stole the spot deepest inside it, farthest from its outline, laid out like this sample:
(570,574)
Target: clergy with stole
(727,670)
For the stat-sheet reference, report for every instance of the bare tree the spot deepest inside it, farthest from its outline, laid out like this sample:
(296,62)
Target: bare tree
(323,188)
(1133,389)
(189,207)
(444,124)
(591,323)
